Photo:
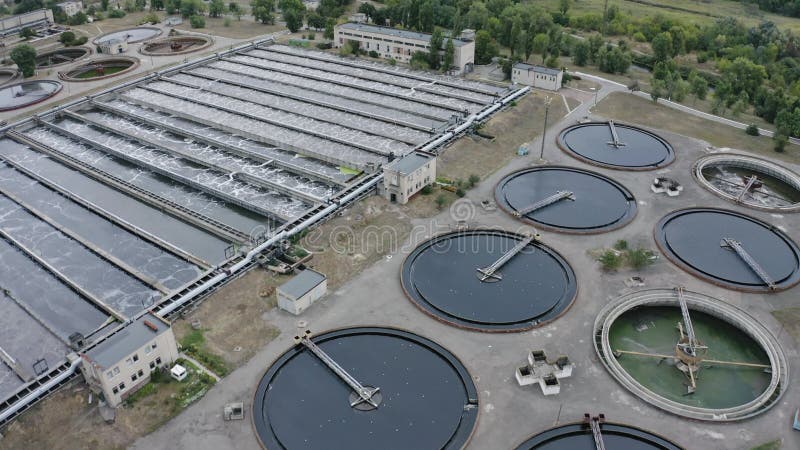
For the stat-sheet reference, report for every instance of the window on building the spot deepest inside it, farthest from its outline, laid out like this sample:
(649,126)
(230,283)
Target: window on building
(135,357)
(129,361)
(115,390)
(158,360)
(116,370)
(141,373)
(152,365)
(122,386)
(134,377)
(110,374)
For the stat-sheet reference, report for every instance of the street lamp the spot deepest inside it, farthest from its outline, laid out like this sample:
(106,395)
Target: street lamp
(595,90)
(547,101)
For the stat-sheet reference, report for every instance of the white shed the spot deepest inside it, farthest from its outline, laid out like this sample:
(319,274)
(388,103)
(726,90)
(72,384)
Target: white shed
(301,291)
(536,76)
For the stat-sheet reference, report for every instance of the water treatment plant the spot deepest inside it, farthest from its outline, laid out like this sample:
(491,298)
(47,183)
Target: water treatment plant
(423,253)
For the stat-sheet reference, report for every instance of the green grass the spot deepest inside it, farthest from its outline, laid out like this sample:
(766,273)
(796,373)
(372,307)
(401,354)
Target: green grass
(772,445)
(193,344)
(686,11)
(94,73)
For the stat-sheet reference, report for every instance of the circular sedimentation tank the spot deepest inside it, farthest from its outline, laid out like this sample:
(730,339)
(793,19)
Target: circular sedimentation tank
(27,93)
(449,277)
(616,146)
(61,57)
(176,45)
(578,436)
(735,370)
(129,35)
(100,68)
(566,199)
(426,398)
(749,181)
(730,249)
(8,76)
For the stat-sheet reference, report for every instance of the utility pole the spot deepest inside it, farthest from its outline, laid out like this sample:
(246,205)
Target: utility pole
(547,101)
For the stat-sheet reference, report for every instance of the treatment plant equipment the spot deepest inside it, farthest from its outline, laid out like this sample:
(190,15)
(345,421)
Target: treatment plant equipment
(204,165)
(691,354)
(729,249)
(410,393)
(61,57)
(616,146)
(100,68)
(595,433)
(749,181)
(489,280)
(129,35)
(176,45)
(566,199)
(27,93)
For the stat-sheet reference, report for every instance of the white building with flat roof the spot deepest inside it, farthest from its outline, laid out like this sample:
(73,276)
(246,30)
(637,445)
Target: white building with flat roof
(70,8)
(536,76)
(401,44)
(121,364)
(404,177)
(301,291)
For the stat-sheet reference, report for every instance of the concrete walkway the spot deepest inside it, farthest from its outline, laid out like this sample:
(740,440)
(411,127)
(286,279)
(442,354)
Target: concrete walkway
(199,366)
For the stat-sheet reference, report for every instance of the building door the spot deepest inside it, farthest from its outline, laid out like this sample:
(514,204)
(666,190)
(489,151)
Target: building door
(393,198)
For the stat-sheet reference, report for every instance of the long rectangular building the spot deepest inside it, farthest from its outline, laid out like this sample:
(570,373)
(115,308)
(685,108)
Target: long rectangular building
(401,44)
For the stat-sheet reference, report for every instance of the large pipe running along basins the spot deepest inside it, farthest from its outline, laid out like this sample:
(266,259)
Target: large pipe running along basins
(329,209)
(254,252)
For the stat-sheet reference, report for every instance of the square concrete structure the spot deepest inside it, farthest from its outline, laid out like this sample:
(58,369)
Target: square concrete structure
(121,364)
(297,294)
(536,76)
(404,177)
(543,372)
(113,47)
(401,44)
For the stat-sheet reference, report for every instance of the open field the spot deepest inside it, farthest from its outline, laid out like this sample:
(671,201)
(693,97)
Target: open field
(238,29)
(690,11)
(629,108)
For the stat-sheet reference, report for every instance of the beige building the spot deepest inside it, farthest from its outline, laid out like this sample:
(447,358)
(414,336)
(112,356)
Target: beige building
(70,8)
(401,44)
(536,76)
(40,18)
(121,365)
(301,291)
(404,177)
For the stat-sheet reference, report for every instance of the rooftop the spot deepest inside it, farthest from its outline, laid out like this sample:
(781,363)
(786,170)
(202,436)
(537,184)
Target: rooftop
(409,163)
(302,283)
(394,32)
(538,69)
(128,340)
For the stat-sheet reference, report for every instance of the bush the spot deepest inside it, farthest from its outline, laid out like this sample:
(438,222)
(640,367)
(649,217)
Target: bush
(427,190)
(473,180)
(67,37)
(610,260)
(752,130)
(374,54)
(116,14)
(639,37)
(621,245)
(461,192)
(226,22)
(780,141)
(197,21)
(392,61)
(441,200)
(702,57)
(80,41)
(311,36)
(640,258)
(324,45)
(151,18)
(26,33)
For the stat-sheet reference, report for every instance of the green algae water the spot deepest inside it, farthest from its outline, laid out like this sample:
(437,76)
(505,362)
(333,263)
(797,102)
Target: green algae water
(653,329)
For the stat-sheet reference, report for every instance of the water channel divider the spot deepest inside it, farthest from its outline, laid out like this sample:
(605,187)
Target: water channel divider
(199,220)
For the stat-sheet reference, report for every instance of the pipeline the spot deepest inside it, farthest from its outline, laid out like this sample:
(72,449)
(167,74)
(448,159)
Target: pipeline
(472,119)
(34,396)
(268,243)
